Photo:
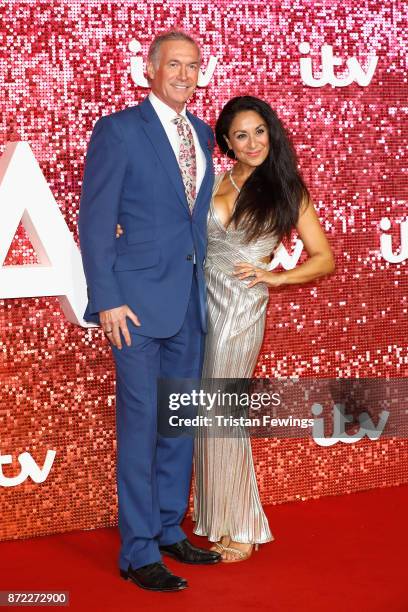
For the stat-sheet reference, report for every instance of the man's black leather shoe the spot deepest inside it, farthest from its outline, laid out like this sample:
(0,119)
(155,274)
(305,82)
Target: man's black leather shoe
(185,552)
(154,577)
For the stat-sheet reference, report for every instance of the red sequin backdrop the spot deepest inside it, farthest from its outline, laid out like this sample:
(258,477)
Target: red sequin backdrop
(63,65)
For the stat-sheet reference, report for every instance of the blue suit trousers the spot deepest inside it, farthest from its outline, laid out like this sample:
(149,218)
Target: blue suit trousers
(153,472)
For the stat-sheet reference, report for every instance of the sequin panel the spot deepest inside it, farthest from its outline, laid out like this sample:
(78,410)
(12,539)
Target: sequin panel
(62,66)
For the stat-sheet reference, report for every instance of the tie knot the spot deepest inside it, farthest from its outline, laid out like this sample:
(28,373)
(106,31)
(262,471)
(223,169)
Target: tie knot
(179,120)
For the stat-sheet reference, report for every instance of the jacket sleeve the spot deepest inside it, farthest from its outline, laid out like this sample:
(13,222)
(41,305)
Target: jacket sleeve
(105,169)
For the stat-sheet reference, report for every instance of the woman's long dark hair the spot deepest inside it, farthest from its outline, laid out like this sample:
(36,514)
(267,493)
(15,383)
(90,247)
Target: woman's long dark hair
(271,197)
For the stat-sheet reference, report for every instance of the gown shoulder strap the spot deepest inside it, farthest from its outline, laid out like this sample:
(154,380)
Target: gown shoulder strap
(217,180)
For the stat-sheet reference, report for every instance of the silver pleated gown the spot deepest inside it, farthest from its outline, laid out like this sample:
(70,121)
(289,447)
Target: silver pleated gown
(226,497)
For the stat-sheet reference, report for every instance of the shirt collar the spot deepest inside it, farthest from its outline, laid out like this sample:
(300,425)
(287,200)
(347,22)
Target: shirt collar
(163,110)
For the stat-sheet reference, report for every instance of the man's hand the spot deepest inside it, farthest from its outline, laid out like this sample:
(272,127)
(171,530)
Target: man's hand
(113,322)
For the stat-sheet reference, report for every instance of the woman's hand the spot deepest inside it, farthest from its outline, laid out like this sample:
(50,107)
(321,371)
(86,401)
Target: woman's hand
(246,270)
(119,230)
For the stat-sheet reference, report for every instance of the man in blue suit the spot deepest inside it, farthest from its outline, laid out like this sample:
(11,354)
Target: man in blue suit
(149,168)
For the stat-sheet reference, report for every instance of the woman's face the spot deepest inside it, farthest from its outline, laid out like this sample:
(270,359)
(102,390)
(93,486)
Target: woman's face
(248,137)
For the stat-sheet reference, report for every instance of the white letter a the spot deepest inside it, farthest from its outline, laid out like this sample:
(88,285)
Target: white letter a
(25,196)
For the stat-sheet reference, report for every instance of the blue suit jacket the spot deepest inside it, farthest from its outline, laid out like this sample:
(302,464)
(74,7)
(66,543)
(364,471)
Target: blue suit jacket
(132,177)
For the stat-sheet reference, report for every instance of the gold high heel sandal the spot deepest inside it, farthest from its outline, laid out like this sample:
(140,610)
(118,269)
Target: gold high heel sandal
(240,554)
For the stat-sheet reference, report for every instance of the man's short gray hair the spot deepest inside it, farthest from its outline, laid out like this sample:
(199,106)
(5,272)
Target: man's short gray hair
(154,49)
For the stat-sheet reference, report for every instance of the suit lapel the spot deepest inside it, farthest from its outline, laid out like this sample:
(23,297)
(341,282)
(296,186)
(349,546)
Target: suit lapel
(203,138)
(156,134)
(158,137)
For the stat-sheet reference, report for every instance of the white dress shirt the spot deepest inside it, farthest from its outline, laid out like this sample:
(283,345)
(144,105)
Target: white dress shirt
(166,115)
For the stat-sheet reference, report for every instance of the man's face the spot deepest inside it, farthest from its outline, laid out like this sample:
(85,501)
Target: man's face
(174,79)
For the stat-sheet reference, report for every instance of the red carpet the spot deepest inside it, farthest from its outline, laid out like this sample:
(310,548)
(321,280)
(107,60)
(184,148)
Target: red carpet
(332,554)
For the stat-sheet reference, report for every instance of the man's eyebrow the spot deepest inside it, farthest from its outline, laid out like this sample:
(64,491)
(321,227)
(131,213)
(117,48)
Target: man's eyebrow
(178,61)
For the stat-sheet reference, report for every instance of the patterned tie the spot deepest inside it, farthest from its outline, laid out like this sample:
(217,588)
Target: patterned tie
(187,159)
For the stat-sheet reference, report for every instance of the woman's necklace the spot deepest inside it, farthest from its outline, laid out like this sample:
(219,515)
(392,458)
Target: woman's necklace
(231,178)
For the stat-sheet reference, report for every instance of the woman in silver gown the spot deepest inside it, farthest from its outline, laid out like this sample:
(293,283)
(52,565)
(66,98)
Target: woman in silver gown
(257,202)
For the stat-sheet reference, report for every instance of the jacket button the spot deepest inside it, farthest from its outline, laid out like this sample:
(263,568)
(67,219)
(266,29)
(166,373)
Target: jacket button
(189,257)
